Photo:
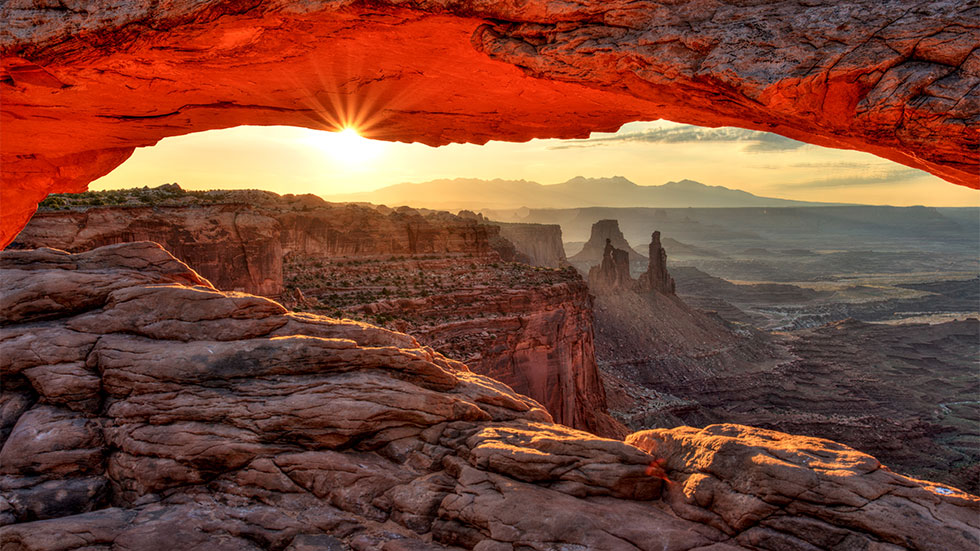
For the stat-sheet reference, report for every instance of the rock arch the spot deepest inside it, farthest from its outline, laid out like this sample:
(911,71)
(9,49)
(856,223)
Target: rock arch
(83,86)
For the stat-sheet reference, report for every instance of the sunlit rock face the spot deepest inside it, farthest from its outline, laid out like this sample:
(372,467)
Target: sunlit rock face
(143,409)
(238,241)
(82,88)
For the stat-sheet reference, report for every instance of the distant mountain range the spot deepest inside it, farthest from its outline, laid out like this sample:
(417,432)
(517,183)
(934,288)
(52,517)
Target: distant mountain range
(475,194)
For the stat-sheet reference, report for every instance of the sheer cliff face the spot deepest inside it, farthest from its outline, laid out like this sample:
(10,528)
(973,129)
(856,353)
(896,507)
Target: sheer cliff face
(352,230)
(240,248)
(82,89)
(541,340)
(540,243)
(236,248)
(656,278)
(143,409)
(604,232)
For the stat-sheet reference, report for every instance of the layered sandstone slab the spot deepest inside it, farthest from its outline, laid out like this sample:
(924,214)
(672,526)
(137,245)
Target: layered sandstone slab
(257,428)
(83,87)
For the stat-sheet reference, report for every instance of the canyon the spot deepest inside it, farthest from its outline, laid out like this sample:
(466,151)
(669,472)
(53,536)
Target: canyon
(83,88)
(143,408)
(440,277)
(903,391)
(179,416)
(237,239)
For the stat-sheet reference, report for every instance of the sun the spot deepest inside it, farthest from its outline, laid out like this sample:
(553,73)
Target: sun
(347,146)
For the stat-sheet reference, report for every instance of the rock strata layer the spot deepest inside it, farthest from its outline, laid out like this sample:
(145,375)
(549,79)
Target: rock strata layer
(429,273)
(142,409)
(238,239)
(540,243)
(83,87)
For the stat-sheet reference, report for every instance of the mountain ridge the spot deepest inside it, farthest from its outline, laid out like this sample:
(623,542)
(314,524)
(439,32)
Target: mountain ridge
(580,191)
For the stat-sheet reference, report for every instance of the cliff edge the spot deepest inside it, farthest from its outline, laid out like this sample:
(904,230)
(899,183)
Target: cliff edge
(143,409)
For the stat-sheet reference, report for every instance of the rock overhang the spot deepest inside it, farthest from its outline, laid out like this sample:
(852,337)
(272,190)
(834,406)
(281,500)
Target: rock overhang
(84,87)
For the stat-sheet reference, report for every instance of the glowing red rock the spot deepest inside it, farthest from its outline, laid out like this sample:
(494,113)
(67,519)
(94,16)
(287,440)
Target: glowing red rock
(81,89)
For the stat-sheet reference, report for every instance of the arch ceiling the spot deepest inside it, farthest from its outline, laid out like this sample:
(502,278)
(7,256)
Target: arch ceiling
(85,83)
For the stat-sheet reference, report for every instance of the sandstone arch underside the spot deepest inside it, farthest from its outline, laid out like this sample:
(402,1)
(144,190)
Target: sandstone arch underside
(84,83)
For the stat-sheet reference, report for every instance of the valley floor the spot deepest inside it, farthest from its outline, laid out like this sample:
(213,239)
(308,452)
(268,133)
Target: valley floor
(905,393)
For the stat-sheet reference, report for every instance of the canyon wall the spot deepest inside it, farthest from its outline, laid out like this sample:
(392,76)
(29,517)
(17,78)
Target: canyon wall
(238,240)
(235,247)
(143,409)
(540,243)
(83,88)
(339,257)
(538,340)
(357,230)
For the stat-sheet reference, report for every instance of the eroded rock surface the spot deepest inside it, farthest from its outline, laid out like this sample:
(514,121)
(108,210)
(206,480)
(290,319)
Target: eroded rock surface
(264,429)
(612,274)
(528,327)
(237,239)
(603,234)
(437,276)
(540,243)
(656,279)
(82,88)
(771,490)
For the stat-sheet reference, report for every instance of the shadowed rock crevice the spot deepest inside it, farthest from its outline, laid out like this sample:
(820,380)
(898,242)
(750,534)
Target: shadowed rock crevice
(240,433)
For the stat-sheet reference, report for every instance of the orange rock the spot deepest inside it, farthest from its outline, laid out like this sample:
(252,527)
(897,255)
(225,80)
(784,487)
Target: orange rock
(83,88)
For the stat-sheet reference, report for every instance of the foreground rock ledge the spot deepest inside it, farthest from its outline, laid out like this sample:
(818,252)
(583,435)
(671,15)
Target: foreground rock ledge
(83,87)
(143,409)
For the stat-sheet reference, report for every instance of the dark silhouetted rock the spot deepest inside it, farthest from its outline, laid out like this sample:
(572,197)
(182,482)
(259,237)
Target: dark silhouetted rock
(612,275)
(656,278)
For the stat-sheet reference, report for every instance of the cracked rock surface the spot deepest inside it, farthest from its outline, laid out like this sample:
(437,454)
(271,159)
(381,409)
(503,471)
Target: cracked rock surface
(146,410)
(86,83)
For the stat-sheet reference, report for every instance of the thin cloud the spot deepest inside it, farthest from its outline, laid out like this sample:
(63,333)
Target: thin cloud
(879,164)
(890,178)
(755,142)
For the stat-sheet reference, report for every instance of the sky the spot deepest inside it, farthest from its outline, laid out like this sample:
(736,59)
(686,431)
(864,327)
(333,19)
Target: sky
(297,160)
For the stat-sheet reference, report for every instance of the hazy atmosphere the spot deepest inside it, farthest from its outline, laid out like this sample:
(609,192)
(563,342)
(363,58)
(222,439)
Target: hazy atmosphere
(296,160)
